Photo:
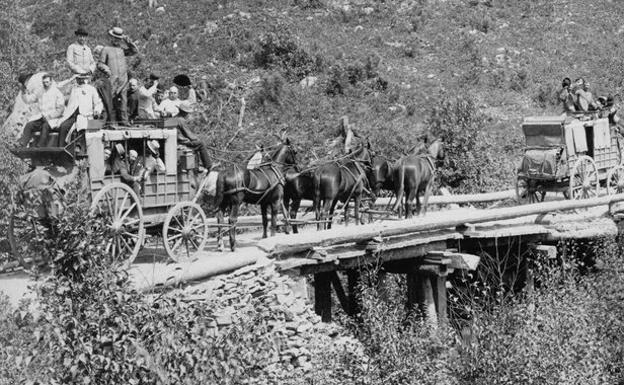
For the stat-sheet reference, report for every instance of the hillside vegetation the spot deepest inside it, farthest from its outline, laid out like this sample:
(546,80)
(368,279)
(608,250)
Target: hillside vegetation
(385,64)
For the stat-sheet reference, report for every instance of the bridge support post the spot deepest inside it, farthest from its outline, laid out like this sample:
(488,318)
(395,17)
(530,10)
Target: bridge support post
(426,293)
(353,281)
(322,295)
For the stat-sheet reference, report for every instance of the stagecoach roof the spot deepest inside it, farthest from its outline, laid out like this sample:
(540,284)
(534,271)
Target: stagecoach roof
(543,130)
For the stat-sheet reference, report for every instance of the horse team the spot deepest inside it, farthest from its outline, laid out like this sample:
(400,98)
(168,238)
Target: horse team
(280,185)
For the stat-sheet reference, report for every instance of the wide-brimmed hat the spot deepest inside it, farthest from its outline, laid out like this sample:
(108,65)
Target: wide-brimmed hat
(153,146)
(116,32)
(182,80)
(81,32)
(154,76)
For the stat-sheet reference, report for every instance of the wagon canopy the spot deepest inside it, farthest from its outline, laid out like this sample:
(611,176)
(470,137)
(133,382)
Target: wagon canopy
(544,131)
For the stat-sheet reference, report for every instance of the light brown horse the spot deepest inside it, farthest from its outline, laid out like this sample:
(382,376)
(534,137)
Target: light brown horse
(414,175)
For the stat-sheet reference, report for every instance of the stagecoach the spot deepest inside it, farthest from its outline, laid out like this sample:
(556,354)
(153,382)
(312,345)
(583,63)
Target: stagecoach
(167,202)
(574,155)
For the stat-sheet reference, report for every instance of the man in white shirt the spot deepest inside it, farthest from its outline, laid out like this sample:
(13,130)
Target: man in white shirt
(146,102)
(169,106)
(51,104)
(79,57)
(85,102)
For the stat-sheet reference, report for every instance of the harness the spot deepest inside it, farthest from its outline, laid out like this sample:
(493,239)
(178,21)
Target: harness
(241,187)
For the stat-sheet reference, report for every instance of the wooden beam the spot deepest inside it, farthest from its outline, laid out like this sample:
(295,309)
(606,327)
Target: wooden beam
(437,220)
(340,293)
(440,297)
(353,283)
(322,296)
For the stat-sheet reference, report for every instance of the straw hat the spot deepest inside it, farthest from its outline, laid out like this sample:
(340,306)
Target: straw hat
(120,149)
(153,146)
(116,32)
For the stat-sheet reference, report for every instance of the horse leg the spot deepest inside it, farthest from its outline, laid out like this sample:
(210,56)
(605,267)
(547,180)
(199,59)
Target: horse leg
(346,212)
(428,190)
(356,209)
(409,197)
(318,213)
(265,219)
(294,207)
(274,210)
(232,222)
(220,246)
(329,208)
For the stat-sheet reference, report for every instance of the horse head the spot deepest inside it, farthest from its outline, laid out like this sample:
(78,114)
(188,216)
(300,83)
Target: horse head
(381,174)
(285,153)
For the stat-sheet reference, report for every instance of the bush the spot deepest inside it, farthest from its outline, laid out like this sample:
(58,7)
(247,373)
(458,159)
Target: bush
(470,165)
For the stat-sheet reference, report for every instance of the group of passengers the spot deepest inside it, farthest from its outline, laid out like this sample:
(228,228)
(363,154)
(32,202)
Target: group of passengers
(113,96)
(131,167)
(576,97)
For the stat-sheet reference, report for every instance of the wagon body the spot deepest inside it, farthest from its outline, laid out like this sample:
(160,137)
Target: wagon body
(573,155)
(165,201)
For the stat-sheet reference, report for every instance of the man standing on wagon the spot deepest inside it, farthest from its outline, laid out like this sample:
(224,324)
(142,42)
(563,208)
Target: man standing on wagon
(79,57)
(112,61)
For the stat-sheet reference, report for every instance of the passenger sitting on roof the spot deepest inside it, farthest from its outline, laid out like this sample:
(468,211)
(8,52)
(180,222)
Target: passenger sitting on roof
(51,104)
(169,106)
(256,159)
(84,101)
(583,97)
(120,166)
(147,103)
(565,96)
(186,92)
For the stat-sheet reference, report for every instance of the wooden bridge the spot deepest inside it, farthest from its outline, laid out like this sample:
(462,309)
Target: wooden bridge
(426,249)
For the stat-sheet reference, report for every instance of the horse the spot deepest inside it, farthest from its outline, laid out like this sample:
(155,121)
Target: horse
(299,185)
(413,175)
(263,185)
(342,180)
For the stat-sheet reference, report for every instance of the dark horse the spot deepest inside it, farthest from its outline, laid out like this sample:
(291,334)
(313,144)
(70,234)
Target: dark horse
(299,185)
(263,185)
(413,175)
(342,180)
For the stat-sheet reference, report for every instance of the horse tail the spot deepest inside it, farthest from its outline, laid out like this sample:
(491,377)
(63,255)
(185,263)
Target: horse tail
(218,199)
(399,184)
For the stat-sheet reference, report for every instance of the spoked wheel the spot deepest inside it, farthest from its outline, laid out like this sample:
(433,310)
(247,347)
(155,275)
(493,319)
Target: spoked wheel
(527,194)
(21,231)
(615,180)
(122,215)
(185,232)
(584,181)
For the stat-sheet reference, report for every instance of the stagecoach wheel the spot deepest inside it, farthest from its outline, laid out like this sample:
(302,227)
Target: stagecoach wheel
(20,232)
(615,180)
(584,181)
(524,194)
(185,232)
(121,213)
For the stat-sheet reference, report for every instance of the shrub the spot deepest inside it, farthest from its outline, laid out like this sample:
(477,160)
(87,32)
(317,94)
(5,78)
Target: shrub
(470,164)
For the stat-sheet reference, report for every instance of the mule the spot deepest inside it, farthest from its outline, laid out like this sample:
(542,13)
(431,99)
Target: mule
(414,175)
(342,180)
(263,185)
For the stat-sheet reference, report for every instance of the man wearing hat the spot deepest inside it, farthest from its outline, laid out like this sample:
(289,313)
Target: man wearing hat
(146,102)
(112,61)
(121,167)
(79,57)
(51,104)
(186,92)
(188,138)
(152,159)
(84,103)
